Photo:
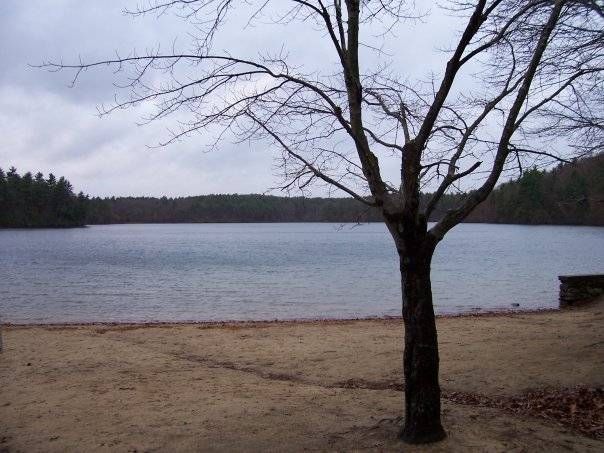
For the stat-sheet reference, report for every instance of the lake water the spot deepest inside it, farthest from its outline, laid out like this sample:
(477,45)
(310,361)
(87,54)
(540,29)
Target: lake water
(198,272)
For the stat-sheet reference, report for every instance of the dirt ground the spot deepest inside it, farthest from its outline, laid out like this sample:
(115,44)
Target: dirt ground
(286,386)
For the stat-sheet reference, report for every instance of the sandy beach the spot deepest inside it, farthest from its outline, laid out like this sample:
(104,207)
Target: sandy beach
(317,386)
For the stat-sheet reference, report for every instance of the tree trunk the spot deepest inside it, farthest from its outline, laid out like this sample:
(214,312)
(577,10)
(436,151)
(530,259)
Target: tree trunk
(422,391)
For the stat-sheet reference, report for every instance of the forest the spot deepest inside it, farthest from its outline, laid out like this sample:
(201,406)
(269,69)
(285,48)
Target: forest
(569,194)
(29,201)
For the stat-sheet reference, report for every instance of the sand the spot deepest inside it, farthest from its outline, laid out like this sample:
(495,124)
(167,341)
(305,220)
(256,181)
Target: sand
(286,386)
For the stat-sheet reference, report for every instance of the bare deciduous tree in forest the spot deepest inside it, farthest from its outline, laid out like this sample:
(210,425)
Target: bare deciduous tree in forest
(536,93)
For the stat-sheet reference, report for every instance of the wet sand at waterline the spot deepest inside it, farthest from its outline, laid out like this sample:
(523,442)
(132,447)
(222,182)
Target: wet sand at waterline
(287,386)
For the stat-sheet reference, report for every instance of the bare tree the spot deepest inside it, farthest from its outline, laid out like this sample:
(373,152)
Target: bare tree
(536,95)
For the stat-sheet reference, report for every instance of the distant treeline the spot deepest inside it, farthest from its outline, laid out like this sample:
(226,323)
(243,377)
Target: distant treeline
(570,194)
(34,201)
(227,208)
(235,208)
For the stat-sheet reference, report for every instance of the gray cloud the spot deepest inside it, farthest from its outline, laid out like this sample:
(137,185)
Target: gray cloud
(46,126)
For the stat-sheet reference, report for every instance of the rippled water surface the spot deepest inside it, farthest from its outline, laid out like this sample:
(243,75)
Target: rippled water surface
(275,271)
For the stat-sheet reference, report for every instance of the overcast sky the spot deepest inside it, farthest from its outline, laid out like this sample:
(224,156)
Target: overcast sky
(47,126)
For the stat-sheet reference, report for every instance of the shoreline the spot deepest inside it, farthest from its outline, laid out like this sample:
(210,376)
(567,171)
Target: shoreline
(510,380)
(276,322)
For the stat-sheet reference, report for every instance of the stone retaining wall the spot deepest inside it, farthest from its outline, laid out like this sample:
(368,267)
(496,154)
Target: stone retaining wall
(580,288)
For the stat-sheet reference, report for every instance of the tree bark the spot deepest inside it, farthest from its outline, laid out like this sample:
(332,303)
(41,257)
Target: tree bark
(420,362)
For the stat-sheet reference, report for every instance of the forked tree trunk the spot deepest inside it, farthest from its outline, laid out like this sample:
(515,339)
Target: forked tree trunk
(422,391)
